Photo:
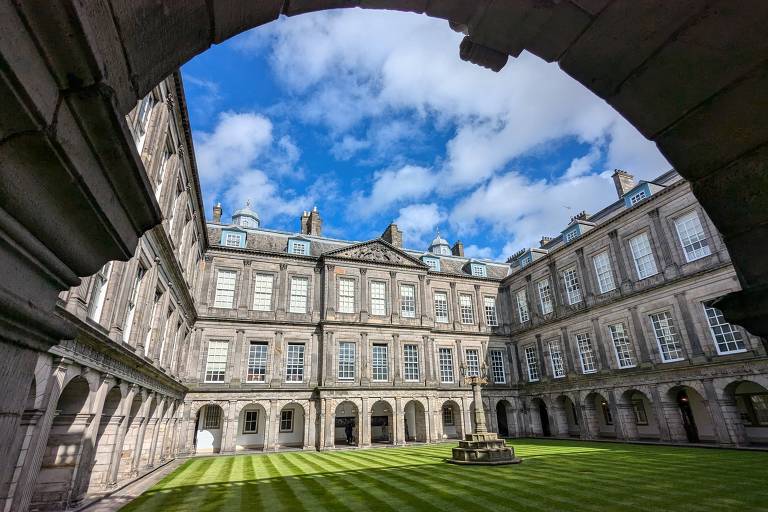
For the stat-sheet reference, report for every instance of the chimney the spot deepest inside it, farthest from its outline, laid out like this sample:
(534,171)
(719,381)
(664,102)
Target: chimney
(458,249)
(623,181)
(217,213)
(393,235)
(544,241)
(305,223)
(314,223)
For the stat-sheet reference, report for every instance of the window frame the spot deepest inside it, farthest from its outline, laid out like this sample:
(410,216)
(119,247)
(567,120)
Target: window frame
(472,362)
(374,299)
(411,362)
(496,356)
(523,313)
(673,334)
(444,303)
(532,363)
(557,363)
(344,296)
(603,272)
(491,316)
(221,293)
(548,287)
(212,417)
(445,365)
(650,255)
(587,356)
(247,421)
(626,352)
(211,368)
(346,359)
(294,295)
(572,286)
(254,363)
(407,304)
(379,371)
(260,295)
(295,368)
(733,330)
(466,311)
(701,235)
(287,417)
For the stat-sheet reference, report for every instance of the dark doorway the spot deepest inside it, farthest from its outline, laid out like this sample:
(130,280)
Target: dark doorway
(546,431)
(689,423)
(501,419)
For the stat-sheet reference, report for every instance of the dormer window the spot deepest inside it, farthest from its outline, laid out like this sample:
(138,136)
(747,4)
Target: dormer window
(478,270)
(232,239)
(525,261)
(299,247)
(637,197)
(571,235)
(432,263)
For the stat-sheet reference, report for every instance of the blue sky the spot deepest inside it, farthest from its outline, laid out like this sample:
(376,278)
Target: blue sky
(372,117)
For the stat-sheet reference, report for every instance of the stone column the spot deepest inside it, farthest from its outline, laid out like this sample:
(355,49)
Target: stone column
(308,422)
(245,296)
(721,428)
(394,298)
(561,419)
(733,422)
(670,414)
(125,408)
(274,427)
(620,258)
(641,343)
(239,356)
(670,268)
(565,343)
(480,307)
(278,357)
(395,358)
(431,425)
(330,292)
(364,305)
(149,396)
(619,421)
(398,418)
(543,368)
(554,288)
(601,349)
(329,413)
(589,293)
(690,329)
(626,412)
(423,306)
(466,419)
(159,413)
(329,374)
(591,423)
(660,415)
(365,423)
(454,300)
(269,439)
(282,295)
(365,374)
(426,366)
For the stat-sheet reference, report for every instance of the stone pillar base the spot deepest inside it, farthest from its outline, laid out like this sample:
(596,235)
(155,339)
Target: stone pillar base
(484,449)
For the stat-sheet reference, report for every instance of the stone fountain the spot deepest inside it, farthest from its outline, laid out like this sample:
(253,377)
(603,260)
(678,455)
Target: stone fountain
(482,448)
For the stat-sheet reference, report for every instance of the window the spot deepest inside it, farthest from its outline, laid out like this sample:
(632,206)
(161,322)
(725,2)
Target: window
(380,362)
(251,423)
(525,261)
(556,358)
(465,307)
(571,235)
(545,296)
(445,362)
(131,307)
(346,295)
(294,367)
(162,336)
(497,367)
(152,318)
(521,300)
(621,346)
(166,156)
(572,288)
(692,237)
(441,307)
(298,247)
(262,292)
(299,292)
(432,263)
(532,363)
(257,362)
(448,420)
(586,353)
(478,270)
(758,405)
(212,417)
(99,292)
(142,120)
(638,407)
(286,420)
(643,256)
(666,337)
(727,338)
(603,271)
(473,362)
(637,197)
(411,362)
(232,240)
(346,360)
(378,298)
(407,300)
(490,311)
(216,364)
(225,289)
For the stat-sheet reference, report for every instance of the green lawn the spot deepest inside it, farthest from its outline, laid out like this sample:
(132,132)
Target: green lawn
(555,475)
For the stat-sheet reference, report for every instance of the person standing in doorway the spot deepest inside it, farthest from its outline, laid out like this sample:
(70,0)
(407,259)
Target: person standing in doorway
(348,431)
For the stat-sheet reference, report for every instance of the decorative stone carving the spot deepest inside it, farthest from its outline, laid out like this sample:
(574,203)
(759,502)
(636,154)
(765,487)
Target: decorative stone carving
(375,252)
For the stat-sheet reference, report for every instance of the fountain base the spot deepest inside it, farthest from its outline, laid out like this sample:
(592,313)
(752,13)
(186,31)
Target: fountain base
(484,449)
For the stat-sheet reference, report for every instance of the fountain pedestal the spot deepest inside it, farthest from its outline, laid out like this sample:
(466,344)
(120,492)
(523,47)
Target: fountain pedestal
(482,448)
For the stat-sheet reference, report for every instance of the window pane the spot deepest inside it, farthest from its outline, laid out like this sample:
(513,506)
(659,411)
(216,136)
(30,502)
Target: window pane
(346,295)
(380,362)
(556,358)
(445,360)
(692,238)
(294,368)
(346,360)
(257,362)
(545,296)
(727,338)
(473,362)
(411,362)
(586,353)
(490,311)
(643,256)
(212,417)
(666,337)
(225,289)
(603,272)
(299,290)
(532,363)
(216,363)
(407,300)
(521,299)
(497,367)
(465,306)
(622,346)
(251,423)
(572,287)
(441,307)
(262,292)
(378,298)
(286,421)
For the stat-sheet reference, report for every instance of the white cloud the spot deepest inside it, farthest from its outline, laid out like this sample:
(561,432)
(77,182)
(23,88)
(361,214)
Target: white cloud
(473,251)
(392,187)
(418,222)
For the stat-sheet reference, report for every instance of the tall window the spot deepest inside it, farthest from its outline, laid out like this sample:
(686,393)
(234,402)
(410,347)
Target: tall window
(165,158)
(378,298)
(497,367)
(465,308)
(411,362)
(152,320)
(142,120)
(643,256)
(257,362)
(407,300)
(346,360)
(572,287)
(621,346)
(212,418)
(131,306)
(586,353)
(294,366)
(225,289)
(448,420)
(545,296)
(638,407)
(727,338)
(251,423)
(346,295)
(473,362)
(603,272)
(262,292)
(299,292)
(286,420)
(380,362)
(490,311)
(162,337)
(532,363)
(556,358)
(445,362)
(441,307)
(670,347)
(216,364)
(522,306)
(99,293)
(692,238)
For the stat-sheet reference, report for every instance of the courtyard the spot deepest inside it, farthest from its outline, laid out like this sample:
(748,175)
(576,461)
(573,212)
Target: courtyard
(555,475)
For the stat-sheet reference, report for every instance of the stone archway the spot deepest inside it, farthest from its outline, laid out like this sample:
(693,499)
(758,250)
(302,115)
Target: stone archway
(503,412)
(290,428)
(382,426)
(251,428)
(415,422)
(209,429)
(600,415)
(451,420)
(567,417)
(638,416)
(540,422)
(745,408)
(346,420)
(691,417)
(106,436)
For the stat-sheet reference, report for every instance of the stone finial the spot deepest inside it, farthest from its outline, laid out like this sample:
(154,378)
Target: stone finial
(482,55)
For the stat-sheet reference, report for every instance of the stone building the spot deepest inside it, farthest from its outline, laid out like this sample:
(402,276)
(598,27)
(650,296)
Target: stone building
(217,337)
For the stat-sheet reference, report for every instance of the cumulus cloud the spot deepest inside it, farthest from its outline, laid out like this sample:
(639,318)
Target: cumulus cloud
(393,187)
(418,222)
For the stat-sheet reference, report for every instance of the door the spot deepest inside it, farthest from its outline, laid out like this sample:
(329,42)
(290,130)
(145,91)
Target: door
(689,422)
(501,419)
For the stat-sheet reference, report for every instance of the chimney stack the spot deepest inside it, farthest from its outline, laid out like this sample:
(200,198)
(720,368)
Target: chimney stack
(393,235)
(458,249)
(314,223)
(623,181)
(217,213)
(305,223)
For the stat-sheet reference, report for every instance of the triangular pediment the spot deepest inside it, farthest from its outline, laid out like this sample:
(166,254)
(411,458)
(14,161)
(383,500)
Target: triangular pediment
(376,251)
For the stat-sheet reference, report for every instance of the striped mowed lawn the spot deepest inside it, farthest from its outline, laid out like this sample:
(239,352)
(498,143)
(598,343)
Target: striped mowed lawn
(555,475)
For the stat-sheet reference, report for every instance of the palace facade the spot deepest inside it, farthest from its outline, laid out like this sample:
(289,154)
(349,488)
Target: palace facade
(218,337)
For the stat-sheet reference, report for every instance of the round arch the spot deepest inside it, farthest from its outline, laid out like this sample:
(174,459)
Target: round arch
(291,423)
(600,414)
(251,427)
(746,406)
(693,415)
(382,424)
(209,428)
(415,421)
(451,420)
(567,416)
(503,417)
(639,413)
(346,424)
